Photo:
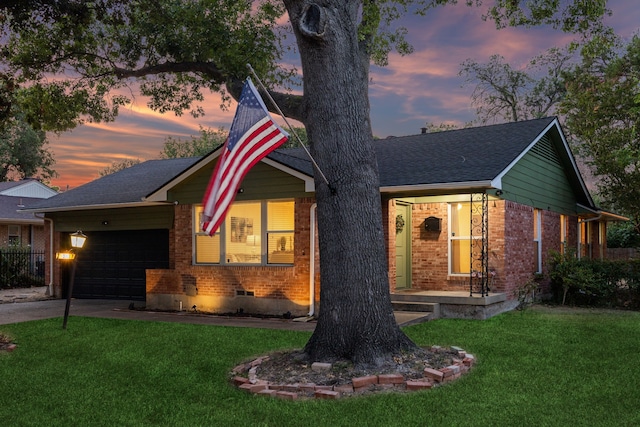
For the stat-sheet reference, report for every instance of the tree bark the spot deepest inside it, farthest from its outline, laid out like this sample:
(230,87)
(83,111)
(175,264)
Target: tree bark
(355,321)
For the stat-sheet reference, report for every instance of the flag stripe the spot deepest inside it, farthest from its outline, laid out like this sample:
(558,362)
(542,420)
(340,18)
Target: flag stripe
(252,136)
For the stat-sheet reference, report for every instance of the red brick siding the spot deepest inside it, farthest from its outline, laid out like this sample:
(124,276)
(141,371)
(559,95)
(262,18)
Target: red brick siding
(429,249)
(278,282)
(512,255)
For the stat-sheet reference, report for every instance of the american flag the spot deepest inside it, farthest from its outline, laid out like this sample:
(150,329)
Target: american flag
(252,136)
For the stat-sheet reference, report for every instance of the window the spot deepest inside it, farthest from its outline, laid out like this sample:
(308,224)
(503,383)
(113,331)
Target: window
(253,233)
(14,235)
(564,232)
(537,240)
(460,237)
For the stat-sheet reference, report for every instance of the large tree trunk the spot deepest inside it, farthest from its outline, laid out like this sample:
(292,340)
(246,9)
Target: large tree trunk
(356,320)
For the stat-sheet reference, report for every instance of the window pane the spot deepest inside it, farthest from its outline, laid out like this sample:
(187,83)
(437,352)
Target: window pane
(280,248)
(242,231)
(460,256)
(460,220)
(207,249)
(280,216)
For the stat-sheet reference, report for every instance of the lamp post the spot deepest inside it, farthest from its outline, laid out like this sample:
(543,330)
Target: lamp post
(78,240)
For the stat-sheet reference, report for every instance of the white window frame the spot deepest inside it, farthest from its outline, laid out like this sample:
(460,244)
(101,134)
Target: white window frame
(264,233)
(537,237)
(14,233)
(451,238)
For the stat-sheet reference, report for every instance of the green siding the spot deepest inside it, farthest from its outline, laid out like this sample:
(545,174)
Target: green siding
(539,180)
(262,182)
(143,218)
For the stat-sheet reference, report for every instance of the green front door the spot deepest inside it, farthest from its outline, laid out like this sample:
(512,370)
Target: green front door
(403,246)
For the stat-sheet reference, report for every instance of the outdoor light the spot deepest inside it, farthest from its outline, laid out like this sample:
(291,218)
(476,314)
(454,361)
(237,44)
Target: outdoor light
(78,240)
(65,256)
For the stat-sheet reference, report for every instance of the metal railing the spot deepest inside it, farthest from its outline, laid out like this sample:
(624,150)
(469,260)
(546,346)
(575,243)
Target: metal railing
(21,267)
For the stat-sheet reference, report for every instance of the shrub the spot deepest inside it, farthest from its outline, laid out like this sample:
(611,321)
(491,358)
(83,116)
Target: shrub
(601,283)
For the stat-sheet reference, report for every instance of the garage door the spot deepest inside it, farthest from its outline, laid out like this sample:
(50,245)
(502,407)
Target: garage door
(112,264)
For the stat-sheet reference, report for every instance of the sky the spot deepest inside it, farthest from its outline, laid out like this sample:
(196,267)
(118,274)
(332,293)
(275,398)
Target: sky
(411,91)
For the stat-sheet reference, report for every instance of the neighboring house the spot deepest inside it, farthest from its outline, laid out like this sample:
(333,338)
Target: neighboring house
(22,228)
(466,212)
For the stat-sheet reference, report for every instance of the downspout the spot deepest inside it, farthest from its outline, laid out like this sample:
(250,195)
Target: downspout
(50,285)
(312,260)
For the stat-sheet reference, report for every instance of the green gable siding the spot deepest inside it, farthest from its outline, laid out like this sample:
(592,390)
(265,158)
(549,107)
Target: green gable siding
(143,218)
(539,180)
(262,182)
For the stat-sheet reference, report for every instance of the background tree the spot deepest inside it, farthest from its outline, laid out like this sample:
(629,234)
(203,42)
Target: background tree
(502,93)
(178,49)
(24,152)
(196,146)
(118,165)
(602,110)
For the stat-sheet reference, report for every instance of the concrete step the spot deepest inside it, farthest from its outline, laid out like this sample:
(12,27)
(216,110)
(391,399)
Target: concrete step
(456,298)
(407,318)
(417,307)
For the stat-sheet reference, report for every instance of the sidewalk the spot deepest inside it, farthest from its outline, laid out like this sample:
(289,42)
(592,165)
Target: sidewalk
(26,304)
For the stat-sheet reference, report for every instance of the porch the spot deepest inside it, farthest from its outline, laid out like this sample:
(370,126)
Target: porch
(415,306)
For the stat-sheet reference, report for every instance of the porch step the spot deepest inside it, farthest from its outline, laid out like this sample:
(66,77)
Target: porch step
(406,318)
(417,307)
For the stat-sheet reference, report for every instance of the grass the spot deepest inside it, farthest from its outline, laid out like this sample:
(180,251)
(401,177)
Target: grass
(543,367)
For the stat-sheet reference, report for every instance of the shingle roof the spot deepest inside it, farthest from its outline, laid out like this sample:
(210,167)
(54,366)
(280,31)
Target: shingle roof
(9,206)
(129,185)
(464,155)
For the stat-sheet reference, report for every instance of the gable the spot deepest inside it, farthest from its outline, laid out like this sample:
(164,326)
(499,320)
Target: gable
(540,179)
(27,188)
(262,182)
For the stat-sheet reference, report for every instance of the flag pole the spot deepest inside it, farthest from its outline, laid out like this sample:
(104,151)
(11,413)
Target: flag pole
(289,125)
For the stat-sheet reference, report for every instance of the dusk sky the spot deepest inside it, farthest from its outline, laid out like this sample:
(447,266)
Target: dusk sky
(410,91)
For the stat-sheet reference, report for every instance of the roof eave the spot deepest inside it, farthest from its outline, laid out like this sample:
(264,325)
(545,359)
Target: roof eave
(97,207)
(446,186)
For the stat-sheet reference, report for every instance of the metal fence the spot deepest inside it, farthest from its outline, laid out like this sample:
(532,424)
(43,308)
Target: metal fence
(21,268)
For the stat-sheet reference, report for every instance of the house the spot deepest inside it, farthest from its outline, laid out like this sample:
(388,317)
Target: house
(22,228)
(469,216)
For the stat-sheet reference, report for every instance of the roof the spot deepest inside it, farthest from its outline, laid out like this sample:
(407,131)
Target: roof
(126,187)
(29,187)
(9,206)
(465,157)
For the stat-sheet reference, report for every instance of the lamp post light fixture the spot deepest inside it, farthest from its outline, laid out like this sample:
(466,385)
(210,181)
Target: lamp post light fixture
(78,240)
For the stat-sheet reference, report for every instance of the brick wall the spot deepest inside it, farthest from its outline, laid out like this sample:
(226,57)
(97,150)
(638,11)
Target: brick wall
(512,254)
(429,249)
(263,289)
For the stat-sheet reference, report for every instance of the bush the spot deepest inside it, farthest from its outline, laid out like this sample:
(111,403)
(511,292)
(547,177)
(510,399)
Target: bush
(599,283)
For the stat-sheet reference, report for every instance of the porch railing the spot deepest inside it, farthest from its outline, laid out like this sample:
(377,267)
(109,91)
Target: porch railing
(479,230)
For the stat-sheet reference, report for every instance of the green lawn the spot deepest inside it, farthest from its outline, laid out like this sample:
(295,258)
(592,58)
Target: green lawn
(537,368)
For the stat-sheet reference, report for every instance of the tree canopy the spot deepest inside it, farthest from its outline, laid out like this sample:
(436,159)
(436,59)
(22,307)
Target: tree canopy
(24,152)
(602,110)
(503,93)
(74,60)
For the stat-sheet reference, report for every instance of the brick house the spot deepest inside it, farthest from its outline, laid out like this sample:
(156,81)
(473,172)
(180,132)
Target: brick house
(469,216)
(22,228)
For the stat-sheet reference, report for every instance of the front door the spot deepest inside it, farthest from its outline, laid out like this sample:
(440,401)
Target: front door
(403,246)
